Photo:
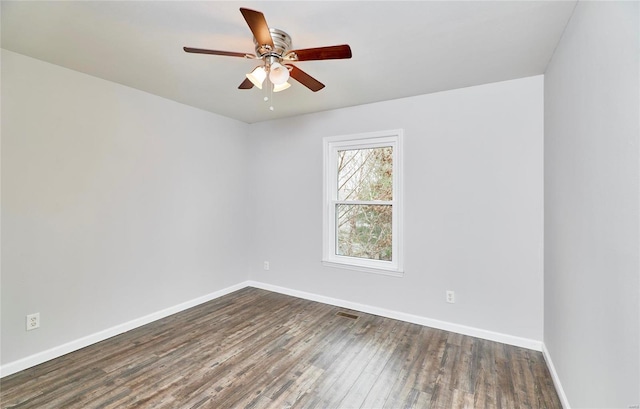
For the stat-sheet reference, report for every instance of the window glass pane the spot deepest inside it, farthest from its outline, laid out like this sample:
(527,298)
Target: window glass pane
(365,174)
(364,231)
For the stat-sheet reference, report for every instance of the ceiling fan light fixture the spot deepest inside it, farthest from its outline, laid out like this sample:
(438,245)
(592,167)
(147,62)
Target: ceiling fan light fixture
(278,74)
(257,76)
(281,87)
(273,47)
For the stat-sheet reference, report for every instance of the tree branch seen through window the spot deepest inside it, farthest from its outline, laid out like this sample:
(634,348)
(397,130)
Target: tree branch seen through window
(365,230)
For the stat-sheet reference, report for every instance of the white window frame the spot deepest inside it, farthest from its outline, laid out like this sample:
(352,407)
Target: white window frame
(333,144)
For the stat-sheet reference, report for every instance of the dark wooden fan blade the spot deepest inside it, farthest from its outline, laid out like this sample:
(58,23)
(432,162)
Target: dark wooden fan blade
(335,52)
(258,25)
(246,84)
(305,79)
(214,52)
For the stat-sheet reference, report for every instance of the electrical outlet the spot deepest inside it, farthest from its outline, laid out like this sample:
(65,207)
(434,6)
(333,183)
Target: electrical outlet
(265,265)
(451,297)
(33,321)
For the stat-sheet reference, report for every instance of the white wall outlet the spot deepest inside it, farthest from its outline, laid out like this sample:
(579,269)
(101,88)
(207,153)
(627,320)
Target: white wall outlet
(33,321)
(451,297)
(265,265)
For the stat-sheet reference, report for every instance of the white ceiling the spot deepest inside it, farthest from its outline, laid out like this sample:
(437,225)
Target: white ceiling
(399,49)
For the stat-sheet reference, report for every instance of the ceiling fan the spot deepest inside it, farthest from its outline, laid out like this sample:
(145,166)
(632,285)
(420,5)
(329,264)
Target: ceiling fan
(273,48)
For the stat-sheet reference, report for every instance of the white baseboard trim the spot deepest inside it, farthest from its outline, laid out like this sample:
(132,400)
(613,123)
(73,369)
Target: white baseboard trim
(556,379)
(414,319)
(55,352)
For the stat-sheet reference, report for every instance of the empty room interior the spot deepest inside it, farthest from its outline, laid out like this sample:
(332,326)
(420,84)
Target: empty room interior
(320,204)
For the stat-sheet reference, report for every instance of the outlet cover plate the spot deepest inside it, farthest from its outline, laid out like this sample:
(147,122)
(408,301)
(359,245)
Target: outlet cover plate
(33,321)
(451,297)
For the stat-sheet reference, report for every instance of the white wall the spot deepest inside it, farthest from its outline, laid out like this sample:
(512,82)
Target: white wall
(473,206)
(115,204)
(591,154)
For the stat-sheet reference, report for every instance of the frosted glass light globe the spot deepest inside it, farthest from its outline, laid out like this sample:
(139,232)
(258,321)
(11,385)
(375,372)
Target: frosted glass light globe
(257,76)
(281,87)
(278,74)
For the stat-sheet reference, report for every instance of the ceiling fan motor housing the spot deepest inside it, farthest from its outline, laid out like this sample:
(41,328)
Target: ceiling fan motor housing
(281,45)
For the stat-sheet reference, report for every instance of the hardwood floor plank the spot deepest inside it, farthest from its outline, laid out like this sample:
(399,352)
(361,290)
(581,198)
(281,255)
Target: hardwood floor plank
(255,349)
(434,343)
(297,388)
(465,367)
(303,355)
(461,400)
(485,379)
(374,367)
(383,386)
(290,354)
(406,389)
(361,352)
(544,387)
(441,397)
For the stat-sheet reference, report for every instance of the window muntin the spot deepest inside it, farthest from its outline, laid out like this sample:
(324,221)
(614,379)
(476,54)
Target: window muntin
(362,217)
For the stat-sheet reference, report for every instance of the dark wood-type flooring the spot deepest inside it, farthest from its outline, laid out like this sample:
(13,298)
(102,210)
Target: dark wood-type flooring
(258,349)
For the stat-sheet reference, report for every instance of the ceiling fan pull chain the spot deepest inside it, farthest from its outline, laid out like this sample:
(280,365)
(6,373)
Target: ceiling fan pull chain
(271,92)
(264,89)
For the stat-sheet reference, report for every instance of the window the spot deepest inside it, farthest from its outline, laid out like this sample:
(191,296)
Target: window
(363,202)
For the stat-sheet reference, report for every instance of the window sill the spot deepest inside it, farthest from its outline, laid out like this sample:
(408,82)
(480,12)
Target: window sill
(387,272)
